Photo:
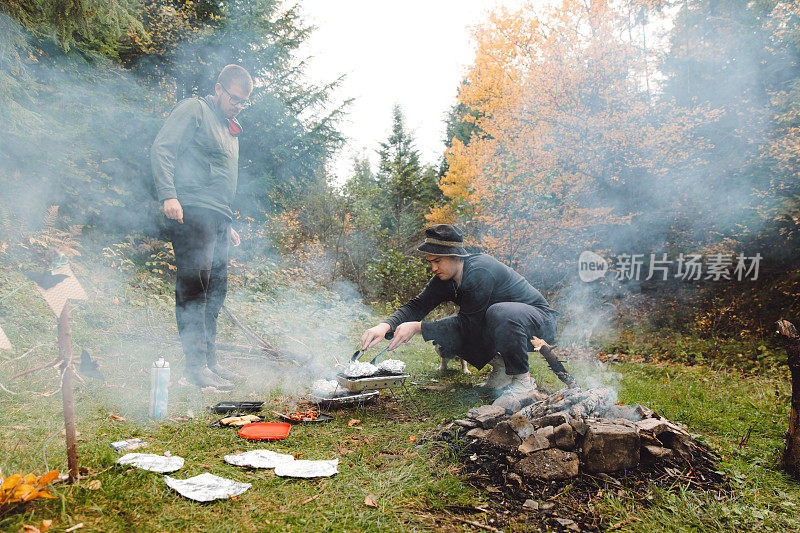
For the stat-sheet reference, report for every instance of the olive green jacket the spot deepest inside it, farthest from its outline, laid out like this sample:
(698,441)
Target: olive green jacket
(195,158)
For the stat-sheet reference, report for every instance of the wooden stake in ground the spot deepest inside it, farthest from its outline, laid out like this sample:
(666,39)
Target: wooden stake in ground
(791,454)
(65,352)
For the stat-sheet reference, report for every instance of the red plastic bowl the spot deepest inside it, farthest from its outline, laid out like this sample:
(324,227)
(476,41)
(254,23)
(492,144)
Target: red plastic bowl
(265,431)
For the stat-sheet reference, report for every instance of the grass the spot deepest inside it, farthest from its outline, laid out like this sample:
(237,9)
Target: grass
(386,455)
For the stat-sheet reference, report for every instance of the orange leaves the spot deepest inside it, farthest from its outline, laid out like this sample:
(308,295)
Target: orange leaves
(558,98)
(17,488)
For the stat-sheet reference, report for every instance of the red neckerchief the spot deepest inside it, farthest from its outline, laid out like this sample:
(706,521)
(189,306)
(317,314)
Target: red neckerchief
(234,127)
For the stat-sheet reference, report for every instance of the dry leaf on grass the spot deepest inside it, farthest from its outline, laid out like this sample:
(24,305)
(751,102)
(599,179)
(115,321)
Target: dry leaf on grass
(353,422)
(411,439)
(371,500)
(27,528)
(45,525)
(94,484)
(18,488)
(76,527)
(117,417)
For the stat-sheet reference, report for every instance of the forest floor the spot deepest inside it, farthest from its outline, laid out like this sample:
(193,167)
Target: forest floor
(389,458)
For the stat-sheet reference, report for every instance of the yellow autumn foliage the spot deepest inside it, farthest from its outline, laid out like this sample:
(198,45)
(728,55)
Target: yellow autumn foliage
(17,488)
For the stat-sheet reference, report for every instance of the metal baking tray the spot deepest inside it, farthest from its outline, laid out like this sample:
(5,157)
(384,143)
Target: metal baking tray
(381,381)
(359,397)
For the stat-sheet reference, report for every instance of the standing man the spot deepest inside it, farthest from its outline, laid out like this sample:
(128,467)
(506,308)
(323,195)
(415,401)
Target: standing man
(195,160)
(499,313)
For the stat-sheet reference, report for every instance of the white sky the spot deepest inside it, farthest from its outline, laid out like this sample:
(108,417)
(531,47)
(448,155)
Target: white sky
(410,52)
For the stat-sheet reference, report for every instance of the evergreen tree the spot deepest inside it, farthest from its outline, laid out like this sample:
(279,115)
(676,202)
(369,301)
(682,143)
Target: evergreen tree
(408,188)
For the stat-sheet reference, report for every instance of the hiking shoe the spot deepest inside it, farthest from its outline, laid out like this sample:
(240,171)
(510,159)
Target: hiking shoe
(497,378)
(224,373)
(522,386)
(205,378)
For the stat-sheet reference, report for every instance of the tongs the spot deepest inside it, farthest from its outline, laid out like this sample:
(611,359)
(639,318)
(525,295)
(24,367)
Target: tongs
(359,353)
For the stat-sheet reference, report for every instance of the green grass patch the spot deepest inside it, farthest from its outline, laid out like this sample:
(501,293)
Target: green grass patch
(414,480)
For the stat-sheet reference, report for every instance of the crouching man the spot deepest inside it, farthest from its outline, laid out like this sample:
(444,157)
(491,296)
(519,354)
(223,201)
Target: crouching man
(499,312)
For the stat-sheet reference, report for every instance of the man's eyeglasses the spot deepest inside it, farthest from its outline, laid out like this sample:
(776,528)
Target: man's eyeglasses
(236,101)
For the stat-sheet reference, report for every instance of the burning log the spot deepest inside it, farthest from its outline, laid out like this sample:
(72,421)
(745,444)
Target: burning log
(791,453)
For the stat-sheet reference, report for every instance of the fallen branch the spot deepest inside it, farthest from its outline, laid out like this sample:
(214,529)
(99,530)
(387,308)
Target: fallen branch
(476,524)
(21,356)
(42,367)
(247,331)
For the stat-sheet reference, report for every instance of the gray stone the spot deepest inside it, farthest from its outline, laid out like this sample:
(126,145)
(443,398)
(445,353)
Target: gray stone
(546,506)
(562,437)
(530,398)
(478,432)
(510,403)
(466,423)
(545,432)
(621,411)
(659,452)
(534,443)
(549,465)
(503,435)
(486,415)
(521,425)
(555,419)
(578,426)
(645,412)
(531,504)
(653,425)
(611,445)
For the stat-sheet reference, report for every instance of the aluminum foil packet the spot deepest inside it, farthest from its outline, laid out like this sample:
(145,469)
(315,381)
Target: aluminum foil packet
(392,366)
(327,388)
(308,469)
(258,459)
(207,487)
(357,369)
(128,444)
(152,462)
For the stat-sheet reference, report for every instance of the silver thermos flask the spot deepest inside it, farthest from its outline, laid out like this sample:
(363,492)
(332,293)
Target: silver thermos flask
(159,384)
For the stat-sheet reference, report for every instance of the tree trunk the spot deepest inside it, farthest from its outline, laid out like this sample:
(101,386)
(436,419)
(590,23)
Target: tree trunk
(791,454)
(65,350)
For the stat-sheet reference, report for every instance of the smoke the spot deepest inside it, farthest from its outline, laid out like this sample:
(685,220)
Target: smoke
(76,133)
(674,166)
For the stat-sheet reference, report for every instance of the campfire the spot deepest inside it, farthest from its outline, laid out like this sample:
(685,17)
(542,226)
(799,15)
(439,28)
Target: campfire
(570,443)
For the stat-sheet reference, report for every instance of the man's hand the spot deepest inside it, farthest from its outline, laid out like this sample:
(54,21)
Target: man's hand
(538,343)
(373,335)
(173,209)
(234,239)
(404,333)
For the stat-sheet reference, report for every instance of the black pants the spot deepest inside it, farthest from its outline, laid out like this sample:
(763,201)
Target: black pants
(201,255)
(507,329)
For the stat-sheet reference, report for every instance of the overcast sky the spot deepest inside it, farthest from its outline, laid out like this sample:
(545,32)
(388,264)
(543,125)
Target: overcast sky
(411,52)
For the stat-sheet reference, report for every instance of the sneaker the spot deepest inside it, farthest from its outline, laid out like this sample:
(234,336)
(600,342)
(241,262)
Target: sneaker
(497,378)
(205,378)
(224,373)
(521,386)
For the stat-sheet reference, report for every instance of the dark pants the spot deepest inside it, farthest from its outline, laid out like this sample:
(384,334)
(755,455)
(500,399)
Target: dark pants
(201,255)
(507,329)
